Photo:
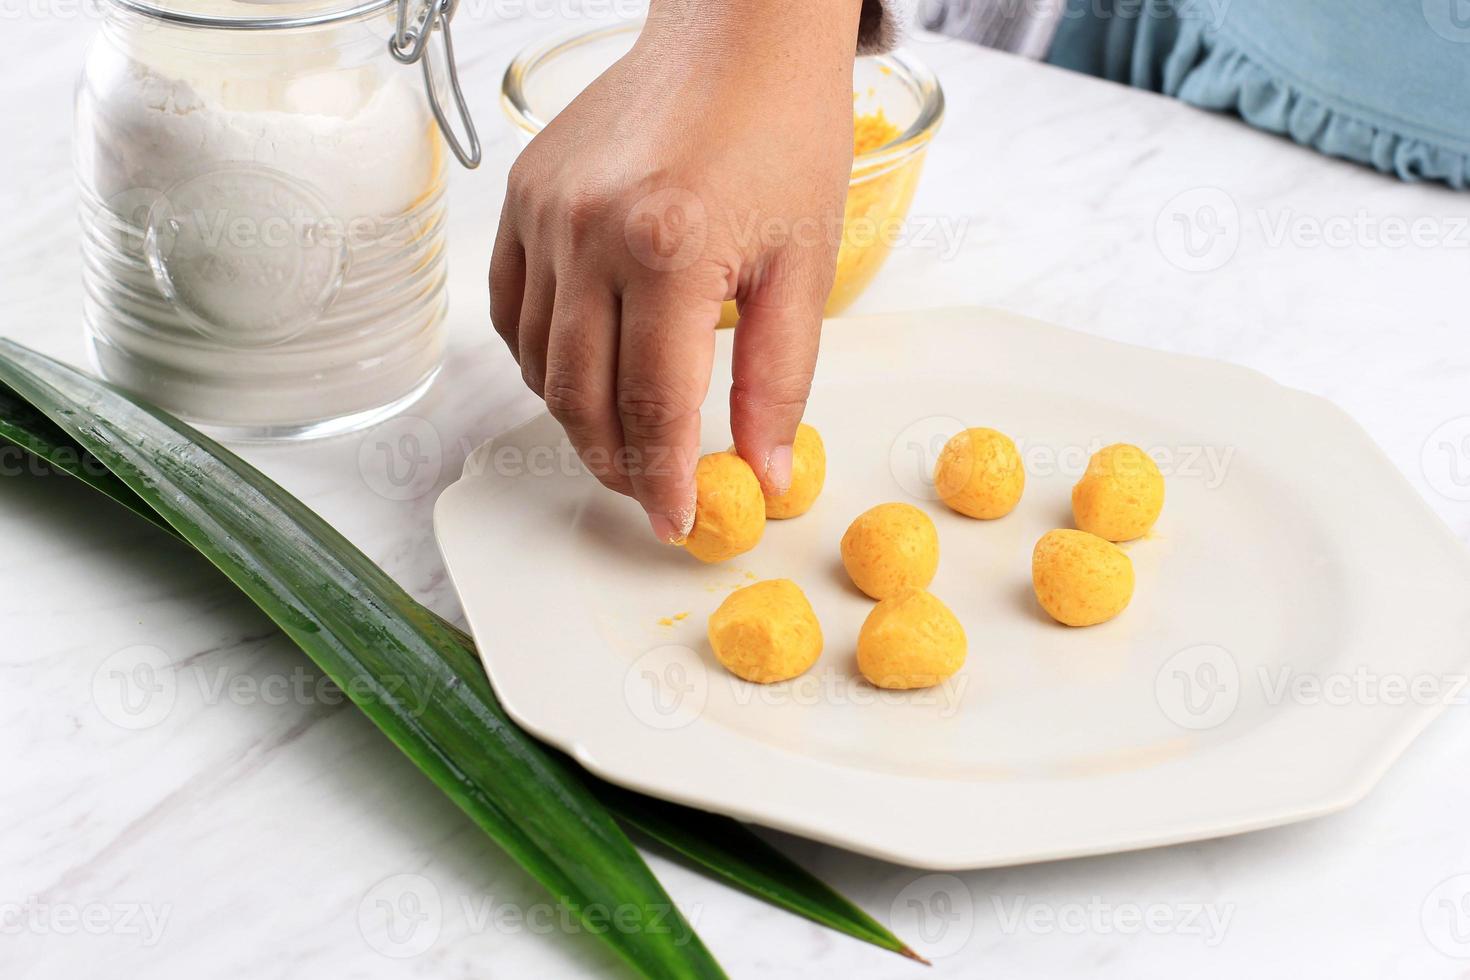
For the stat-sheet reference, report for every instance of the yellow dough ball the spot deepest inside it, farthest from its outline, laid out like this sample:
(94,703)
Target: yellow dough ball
(1080,579)
(891,548)
(808,473)
(1121,494)
(910,640)
(980,474)
(729,510)
(766,632)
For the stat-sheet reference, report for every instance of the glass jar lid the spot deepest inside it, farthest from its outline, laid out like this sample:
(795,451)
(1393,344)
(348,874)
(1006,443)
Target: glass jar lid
(253,14)
(415,23)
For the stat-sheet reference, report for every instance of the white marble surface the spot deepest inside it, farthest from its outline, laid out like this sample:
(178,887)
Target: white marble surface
(247,828)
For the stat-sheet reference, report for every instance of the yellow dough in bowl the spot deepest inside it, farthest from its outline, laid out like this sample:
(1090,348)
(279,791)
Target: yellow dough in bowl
(808,473)
(910,640)
(766,632)
(1080,579)
(979,474)
(729,510)
(891,548)
(1121,494)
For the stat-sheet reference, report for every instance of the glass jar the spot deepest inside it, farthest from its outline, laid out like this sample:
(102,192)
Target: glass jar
(262,209)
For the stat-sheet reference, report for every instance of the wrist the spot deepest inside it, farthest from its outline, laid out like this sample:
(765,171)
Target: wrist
(813,30)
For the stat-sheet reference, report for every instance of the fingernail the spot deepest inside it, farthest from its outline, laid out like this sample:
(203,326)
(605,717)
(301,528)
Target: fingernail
(669,531)
(778,469)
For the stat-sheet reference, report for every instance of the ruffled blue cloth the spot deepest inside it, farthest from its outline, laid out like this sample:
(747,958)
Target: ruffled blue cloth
(1382,82)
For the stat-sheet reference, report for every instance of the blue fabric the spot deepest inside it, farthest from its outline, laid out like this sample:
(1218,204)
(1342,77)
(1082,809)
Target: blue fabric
(1382,82)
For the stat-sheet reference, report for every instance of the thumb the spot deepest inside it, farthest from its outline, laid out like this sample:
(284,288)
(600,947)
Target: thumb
(775,356)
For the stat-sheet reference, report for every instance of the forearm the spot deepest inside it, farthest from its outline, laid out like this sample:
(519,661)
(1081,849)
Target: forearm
(867,26)
(735,63)
(762,30)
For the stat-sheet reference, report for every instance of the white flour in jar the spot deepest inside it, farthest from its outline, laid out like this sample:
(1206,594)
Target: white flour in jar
(292,267)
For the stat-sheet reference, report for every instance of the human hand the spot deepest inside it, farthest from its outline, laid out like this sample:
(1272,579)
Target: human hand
(711,163)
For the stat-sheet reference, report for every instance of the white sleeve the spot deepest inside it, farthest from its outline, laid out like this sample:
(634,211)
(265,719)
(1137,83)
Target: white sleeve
(883,24)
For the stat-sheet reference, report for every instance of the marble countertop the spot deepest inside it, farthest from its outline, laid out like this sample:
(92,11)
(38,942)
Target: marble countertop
(249,825)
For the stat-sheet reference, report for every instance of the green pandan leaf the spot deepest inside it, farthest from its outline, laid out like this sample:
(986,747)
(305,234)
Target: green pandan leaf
(403,667)
(723,846)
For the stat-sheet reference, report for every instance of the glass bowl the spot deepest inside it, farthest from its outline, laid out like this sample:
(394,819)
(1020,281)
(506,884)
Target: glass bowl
(546,76)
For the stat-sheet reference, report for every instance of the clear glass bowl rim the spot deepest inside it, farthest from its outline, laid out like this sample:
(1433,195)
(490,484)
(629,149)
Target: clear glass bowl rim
(911,70)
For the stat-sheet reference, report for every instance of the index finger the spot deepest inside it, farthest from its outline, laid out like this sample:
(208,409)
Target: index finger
(665,355)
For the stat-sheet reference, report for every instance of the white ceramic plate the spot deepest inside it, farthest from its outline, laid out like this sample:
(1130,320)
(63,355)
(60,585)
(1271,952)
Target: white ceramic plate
(1300,613)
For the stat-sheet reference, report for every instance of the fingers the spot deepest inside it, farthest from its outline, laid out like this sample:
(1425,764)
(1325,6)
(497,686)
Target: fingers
(581,382)
(534,326)
(665,354)
(567,347)
(507,282)
(775,356)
